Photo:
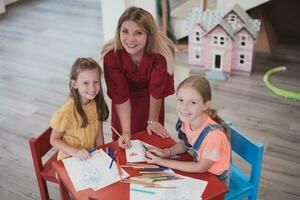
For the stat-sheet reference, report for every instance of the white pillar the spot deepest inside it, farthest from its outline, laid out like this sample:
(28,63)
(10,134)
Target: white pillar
(2,7)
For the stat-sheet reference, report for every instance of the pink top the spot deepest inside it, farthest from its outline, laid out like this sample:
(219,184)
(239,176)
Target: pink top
(214,147)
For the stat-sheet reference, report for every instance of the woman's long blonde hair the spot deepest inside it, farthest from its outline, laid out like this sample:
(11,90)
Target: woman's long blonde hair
(157,42)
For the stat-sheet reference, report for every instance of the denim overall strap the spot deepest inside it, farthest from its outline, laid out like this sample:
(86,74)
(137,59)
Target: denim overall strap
(202,136)
(178,125)
(225,177)
(182,135)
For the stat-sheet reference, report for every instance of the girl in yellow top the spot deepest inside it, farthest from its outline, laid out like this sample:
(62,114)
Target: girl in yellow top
(201,131)
(77,125)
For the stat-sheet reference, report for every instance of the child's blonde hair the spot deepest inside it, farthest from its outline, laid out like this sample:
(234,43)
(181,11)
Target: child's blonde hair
(80,65)
(202,86)
(156,41)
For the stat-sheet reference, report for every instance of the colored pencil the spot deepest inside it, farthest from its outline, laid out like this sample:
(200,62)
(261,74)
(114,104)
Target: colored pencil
(92,150)
(138,164)
(157,174)
(155,170)
(118,134)
(141,166)
(145,147)
(120,172)
(144,191)
(112,159)
(145,184)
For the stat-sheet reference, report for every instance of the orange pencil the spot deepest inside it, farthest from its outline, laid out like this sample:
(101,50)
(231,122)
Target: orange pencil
(118,134)
(118,167)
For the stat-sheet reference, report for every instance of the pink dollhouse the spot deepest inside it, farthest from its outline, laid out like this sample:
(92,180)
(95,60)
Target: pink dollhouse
(222,42)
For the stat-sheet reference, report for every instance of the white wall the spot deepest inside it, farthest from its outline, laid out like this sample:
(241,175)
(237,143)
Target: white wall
(4,3)
(112,10)
(225,6)
(2,6)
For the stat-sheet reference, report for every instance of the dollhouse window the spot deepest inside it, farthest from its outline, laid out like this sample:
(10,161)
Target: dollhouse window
(215,40)
(243,40)
(222,41)
(232,18)
(242,59)
(197,37)
(197,52)
(218,40)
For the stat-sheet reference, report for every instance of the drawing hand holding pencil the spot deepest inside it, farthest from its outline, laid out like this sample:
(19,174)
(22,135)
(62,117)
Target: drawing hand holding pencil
(124,139)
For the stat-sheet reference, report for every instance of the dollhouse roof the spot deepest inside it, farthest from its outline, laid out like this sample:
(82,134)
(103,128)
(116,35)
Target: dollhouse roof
(209,19)
(206,20)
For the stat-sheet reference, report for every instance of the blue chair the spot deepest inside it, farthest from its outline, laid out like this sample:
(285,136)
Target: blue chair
(243,185)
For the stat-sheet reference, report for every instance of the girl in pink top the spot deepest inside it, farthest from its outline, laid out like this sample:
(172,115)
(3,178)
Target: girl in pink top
(201,131)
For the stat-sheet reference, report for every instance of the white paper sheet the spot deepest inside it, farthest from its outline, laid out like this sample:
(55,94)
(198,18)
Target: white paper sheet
(186,189)
(93,172)
(136,153)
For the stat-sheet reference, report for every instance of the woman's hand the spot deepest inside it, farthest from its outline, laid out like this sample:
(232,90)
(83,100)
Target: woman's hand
(157,128)
(124,144)
(153,158)
(81,154)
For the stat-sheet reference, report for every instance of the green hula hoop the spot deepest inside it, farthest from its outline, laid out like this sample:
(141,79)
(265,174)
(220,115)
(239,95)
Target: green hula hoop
(277,90)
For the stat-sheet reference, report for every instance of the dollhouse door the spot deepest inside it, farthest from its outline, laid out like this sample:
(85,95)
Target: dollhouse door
(217,61)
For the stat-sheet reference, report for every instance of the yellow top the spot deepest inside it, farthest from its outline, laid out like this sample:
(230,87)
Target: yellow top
(64,121)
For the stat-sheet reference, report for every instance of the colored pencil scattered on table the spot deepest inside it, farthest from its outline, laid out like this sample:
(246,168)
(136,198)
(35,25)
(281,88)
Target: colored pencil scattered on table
(145,184)
(154,170)
(144,191)
(113,159)
(120,172)
(136,166)
(145,147)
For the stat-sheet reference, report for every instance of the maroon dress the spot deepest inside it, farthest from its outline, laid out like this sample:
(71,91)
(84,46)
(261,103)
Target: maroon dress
(126,81)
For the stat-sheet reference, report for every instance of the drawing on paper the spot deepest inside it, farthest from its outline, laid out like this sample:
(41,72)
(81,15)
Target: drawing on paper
(136,153)
(91,174)
(133,154)
(175,195)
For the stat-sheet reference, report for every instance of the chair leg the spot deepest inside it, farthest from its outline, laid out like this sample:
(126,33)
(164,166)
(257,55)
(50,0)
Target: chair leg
(43,189)
(64,194)
(252,197)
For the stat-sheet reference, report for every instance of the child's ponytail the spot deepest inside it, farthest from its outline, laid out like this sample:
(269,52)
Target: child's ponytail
(214,115)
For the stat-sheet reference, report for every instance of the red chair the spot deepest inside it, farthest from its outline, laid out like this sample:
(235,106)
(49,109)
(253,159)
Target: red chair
(44,172)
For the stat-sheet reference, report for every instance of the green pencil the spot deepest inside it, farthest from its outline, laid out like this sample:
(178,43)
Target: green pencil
(144,191)
(145,147)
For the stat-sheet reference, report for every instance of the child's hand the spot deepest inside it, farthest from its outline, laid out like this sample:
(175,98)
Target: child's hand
(158,129)
(82,154)
(158,152)
(153,159)
(124,144)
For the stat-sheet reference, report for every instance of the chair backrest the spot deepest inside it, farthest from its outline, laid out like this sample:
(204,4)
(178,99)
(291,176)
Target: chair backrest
(39,146)
(242,185)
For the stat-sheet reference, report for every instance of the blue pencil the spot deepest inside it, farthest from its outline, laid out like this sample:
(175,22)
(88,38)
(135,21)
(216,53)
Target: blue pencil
(144,191)
(155,169)
(92,150)
(112,159)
